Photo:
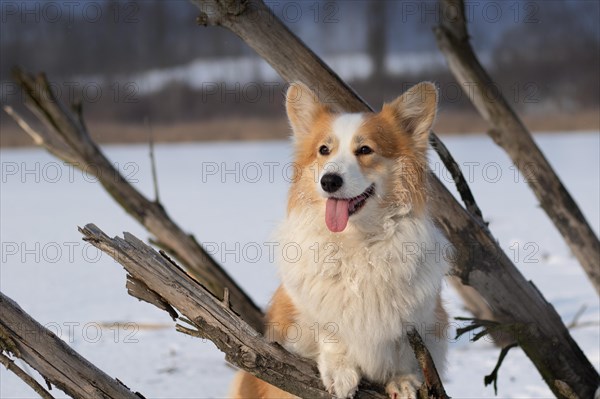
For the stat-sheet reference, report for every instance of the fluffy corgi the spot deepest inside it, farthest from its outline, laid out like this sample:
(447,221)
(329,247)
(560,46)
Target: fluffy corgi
(360,258)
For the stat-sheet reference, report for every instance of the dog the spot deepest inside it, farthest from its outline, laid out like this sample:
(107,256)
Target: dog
(360,258)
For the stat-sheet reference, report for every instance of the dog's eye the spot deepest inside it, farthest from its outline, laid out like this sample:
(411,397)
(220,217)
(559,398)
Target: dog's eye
(324,150)
(364,150)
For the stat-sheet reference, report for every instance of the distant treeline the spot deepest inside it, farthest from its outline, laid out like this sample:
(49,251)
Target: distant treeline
(545,55)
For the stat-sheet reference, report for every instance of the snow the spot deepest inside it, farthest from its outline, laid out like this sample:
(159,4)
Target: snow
(245,72)
(206,74)
(397,64)
(231,196)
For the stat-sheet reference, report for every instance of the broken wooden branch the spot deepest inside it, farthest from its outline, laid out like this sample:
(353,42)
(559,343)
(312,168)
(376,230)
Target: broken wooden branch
(480,262)
(510,133)
(493,376)
(212,318)
(472,300)
(477,306)
(489,327)
(29,380)
(459,179)
(433,387)
(24,338)
(67,137)
(55,145)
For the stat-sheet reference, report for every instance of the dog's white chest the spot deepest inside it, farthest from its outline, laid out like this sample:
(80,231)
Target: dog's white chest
(368,289)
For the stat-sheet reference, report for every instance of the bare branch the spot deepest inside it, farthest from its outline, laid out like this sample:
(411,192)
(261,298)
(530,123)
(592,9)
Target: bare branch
(459,179)
(67,138)
(478,307)
(60,365)
(433,387)
(152,160)
(575,322)
(138,289)
(509,132)
(29,380)
(55,146)
(493,376)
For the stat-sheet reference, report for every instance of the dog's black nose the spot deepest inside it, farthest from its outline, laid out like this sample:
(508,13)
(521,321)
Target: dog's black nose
(331,182)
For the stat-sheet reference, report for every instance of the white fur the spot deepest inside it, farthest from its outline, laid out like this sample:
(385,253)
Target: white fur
(358,292)
(344,161)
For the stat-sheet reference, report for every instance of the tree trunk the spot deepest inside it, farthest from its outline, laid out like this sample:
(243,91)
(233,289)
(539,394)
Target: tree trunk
(509,132)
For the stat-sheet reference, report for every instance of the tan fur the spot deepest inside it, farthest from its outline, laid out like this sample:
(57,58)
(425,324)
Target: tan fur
(441,315)
(382,129)
(306,159)
(280,315)
(247,386)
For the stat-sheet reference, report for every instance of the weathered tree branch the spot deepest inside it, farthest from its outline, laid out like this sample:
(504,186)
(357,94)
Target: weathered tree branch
(472,300)
(55,145)
(478,307)
(29,380)
(212,318)
(25,338)
(433,387)
(481,263)
(459,179)
(493,376)
(509,132)
(68,139)
(489,327)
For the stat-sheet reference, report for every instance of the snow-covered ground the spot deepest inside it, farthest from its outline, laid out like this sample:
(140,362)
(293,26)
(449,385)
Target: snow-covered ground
(231,196)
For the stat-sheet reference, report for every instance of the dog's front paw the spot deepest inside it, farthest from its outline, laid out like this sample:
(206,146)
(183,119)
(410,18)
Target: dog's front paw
(341,382)
(403,387)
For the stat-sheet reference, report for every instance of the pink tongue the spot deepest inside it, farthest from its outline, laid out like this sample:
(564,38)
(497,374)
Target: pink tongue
(336,214)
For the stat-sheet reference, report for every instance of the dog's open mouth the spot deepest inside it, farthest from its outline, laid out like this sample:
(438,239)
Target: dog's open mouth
(338,210)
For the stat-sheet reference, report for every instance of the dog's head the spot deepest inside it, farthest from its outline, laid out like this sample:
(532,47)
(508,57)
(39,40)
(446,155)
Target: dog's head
(361,166)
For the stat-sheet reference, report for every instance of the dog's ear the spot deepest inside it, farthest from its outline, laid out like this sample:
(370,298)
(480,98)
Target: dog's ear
(303,107)
(415,112)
